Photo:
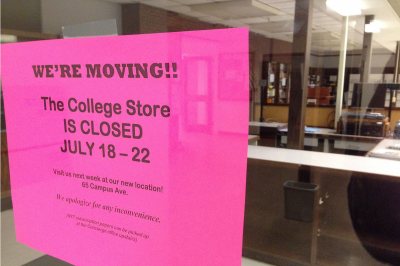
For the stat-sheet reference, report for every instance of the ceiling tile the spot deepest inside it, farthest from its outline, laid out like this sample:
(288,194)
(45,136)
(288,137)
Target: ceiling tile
(274,27)
(288,10)
(160,3)
(254,20)
(211,19)
(272,1)
(281,18)
(283,4)
(231,9)
(178,9)
(264,20)
(193,2)
(233,23)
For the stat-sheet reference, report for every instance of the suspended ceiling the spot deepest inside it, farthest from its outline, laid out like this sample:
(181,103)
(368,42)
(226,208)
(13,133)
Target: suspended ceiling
(275,19)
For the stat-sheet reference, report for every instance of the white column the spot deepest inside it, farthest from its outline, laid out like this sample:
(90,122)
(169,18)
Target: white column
(341,69)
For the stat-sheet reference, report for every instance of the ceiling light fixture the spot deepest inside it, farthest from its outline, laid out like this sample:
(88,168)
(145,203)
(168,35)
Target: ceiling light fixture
(345,7)
(372,27)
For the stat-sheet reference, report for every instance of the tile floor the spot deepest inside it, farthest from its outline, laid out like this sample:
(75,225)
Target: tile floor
(15,254)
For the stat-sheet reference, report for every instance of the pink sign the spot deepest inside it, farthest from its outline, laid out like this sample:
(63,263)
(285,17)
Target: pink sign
(130,150)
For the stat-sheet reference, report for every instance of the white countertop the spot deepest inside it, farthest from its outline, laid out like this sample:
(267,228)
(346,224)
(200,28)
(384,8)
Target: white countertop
(267,124)
(385,150)
(326,160)
(314,130)
(253,137)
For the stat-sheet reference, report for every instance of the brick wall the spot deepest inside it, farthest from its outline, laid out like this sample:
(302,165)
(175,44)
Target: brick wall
(139,18)
(153,19)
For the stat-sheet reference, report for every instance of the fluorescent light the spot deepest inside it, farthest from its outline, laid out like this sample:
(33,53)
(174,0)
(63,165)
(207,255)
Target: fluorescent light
(7,38)
(345,7)
(373,26)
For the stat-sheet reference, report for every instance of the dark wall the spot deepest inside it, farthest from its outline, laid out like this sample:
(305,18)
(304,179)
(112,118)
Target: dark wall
(281,51)
(22,15)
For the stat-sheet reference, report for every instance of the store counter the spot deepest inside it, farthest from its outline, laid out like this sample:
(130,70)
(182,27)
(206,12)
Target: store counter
(387,149)
(327,140)
(274,134)
(267,124)
(267,132)
(330,238)
(253,139)
(343,162)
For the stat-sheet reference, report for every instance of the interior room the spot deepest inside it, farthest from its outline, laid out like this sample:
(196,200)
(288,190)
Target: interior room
(324,117)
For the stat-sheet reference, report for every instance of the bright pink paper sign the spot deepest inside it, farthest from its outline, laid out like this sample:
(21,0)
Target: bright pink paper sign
(130,150)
